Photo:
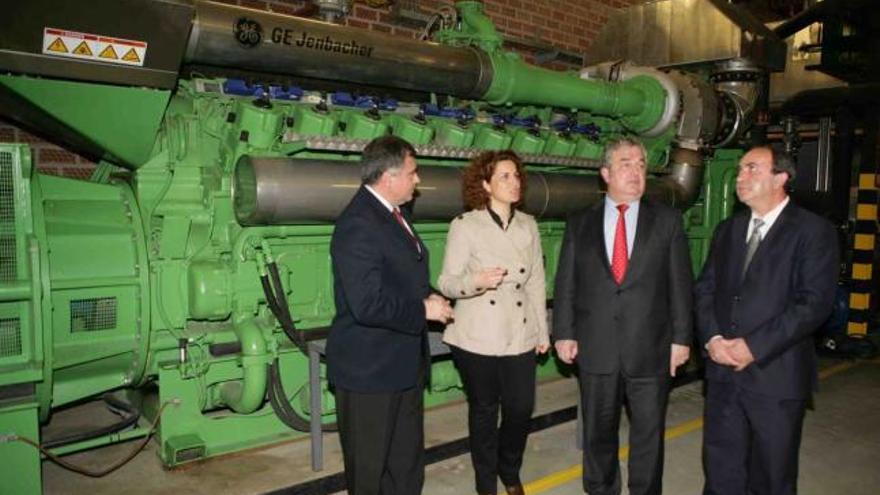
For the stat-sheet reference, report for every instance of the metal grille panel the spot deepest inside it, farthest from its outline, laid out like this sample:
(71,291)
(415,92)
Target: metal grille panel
(92,314)
(10,337)
(8,265)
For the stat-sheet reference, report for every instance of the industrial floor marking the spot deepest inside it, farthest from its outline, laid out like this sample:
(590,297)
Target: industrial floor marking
(575,472)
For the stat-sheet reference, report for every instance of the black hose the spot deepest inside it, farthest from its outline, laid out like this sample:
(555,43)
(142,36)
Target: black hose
(270,296)
(277,302)
(129,414)
(280,295)
(281,309)
(285,412)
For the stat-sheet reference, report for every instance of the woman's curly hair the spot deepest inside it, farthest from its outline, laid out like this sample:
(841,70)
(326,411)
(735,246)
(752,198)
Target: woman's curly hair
(481,169)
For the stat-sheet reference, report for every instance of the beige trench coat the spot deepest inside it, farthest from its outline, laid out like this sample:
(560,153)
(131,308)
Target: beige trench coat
(512,318)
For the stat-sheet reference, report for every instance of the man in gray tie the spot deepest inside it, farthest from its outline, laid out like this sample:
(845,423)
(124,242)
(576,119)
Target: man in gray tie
(768,284)
(754,241)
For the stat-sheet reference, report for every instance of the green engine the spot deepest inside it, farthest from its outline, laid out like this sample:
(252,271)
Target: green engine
(189,273)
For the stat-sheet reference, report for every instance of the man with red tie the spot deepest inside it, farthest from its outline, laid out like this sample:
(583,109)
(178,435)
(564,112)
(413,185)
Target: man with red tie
(622,312)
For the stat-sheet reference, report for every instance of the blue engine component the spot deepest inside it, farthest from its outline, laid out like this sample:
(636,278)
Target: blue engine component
(346,99)
(240,87)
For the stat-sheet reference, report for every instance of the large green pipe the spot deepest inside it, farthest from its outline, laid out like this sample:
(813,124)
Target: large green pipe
(639,102)
(246,395)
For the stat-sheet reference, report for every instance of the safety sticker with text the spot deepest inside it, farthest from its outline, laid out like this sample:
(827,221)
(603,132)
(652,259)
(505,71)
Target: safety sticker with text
(93,47)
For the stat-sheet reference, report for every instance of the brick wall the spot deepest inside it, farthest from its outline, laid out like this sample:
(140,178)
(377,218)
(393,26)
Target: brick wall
(569,25)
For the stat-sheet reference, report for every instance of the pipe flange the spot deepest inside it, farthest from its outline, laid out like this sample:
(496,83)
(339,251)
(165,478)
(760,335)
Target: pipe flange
(731,121)
(744,76)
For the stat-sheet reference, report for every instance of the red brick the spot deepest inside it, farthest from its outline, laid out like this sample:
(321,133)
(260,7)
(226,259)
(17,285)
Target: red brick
(49,170)
(357,23)
(254,4)
(55,155)
(280,8)
(82,173)
(26,137)
(7,134)
(365,13)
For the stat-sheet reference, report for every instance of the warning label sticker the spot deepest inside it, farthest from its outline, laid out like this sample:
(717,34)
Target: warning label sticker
(86,46)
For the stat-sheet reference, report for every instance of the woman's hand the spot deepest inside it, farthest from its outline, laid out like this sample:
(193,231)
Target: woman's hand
(542,348)
(489,278)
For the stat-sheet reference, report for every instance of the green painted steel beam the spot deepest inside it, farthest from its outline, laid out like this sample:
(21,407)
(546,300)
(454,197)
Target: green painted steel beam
(15,291)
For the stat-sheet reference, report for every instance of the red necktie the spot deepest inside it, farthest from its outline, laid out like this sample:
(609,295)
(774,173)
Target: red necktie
(402,222)
(619,258)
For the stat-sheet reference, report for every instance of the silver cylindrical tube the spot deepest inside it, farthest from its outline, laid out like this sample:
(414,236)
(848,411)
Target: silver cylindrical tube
(230,36)
(278,191)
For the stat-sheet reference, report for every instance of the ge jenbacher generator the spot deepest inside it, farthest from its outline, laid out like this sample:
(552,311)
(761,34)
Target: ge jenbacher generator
(185,278)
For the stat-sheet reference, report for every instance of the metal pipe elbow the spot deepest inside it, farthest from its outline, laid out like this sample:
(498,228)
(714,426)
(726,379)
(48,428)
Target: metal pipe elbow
(681,186)
(246,395)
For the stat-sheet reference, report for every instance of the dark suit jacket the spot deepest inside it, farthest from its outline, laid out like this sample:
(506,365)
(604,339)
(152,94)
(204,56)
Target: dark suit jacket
(630,327)
(376,342)
(786,294)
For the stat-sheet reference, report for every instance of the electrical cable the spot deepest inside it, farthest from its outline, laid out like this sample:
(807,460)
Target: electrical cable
(103,472)
(129,415)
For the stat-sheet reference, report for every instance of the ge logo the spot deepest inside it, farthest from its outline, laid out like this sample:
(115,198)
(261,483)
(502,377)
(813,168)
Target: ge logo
(249,33)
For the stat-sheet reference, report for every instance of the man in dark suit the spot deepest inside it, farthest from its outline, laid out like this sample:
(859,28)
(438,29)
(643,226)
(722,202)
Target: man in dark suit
(768,284)
(622,311)
(377,347)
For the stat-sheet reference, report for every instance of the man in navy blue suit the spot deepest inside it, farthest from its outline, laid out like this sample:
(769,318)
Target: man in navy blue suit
(767,286)
(377,348)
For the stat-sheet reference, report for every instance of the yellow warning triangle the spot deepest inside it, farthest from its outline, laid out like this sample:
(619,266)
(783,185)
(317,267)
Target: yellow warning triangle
(131,56)
(82,49)
(108,52)
(58,46)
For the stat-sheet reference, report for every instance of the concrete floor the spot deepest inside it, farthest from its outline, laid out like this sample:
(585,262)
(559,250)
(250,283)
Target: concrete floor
(839,454)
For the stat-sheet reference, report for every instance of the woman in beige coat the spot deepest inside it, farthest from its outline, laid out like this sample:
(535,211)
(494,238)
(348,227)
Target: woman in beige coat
(494,268)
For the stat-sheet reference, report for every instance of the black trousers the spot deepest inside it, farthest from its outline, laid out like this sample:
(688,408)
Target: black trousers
(602,398)
(492,383)
(750,442)
(383,439)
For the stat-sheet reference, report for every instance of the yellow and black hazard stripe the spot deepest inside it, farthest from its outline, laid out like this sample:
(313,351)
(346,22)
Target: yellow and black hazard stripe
(864,245)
